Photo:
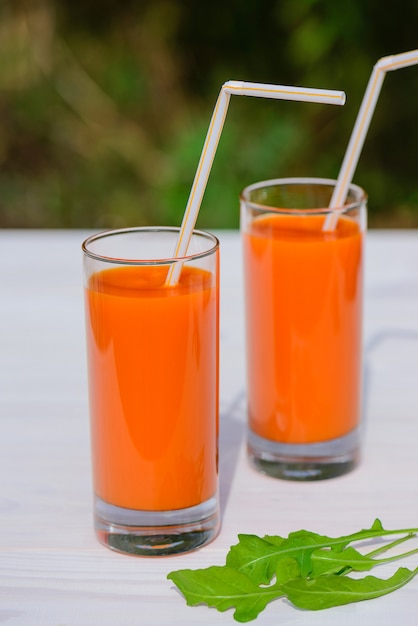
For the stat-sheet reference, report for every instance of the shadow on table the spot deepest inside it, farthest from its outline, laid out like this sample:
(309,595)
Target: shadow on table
(231,433)
(375,342)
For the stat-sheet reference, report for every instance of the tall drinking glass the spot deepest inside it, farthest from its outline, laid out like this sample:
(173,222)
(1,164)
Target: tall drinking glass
(153,388)
(303,289)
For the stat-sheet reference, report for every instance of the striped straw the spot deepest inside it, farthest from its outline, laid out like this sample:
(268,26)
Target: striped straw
(237,88)
(361,126)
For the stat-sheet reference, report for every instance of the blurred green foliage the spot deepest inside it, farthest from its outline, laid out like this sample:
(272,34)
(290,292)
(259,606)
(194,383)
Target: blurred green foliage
(105,106)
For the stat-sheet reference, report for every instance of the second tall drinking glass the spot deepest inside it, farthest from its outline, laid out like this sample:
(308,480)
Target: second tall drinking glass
(304,286)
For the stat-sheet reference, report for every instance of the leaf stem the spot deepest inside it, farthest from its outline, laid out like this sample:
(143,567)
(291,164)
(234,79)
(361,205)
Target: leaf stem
(346,570)
(391,545)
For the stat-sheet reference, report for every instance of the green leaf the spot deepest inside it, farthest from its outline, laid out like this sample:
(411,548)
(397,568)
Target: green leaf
(288,570)
(350,559)
(330,590)
(310,569)
(301,544)
(258,558)
(255,557)
(224,588)
(330,562)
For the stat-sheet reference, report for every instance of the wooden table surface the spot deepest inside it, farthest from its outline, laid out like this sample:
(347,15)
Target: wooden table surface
(53,572)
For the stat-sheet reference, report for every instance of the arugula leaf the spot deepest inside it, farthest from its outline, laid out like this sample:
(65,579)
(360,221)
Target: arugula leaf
(255,557)
(310,569)
(350,559)
(225,588)
(288,570)
(258,558)
(330,590)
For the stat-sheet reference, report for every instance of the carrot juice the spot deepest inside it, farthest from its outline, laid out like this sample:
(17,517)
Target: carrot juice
(304,308)
(153,373)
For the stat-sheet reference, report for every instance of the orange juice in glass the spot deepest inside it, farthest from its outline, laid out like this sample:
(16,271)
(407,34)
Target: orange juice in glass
(303,299)
(153,388)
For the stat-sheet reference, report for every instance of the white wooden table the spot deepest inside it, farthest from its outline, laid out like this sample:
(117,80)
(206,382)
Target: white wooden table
(53,572)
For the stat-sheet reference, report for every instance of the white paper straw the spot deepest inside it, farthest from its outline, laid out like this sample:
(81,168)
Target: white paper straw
(361,126)
(238,88)
(283,92)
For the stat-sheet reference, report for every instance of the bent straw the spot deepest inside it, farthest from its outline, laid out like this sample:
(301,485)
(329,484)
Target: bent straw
(237,88)
(361,126)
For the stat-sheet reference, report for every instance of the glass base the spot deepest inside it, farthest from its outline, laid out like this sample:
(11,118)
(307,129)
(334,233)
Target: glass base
(156,533)
(314,461)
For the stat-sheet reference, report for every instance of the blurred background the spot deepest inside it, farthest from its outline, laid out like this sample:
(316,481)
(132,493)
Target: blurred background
(105,106)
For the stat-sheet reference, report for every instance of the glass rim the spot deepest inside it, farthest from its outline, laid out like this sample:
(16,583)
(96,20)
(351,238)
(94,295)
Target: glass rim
(301,181)
(143,229)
